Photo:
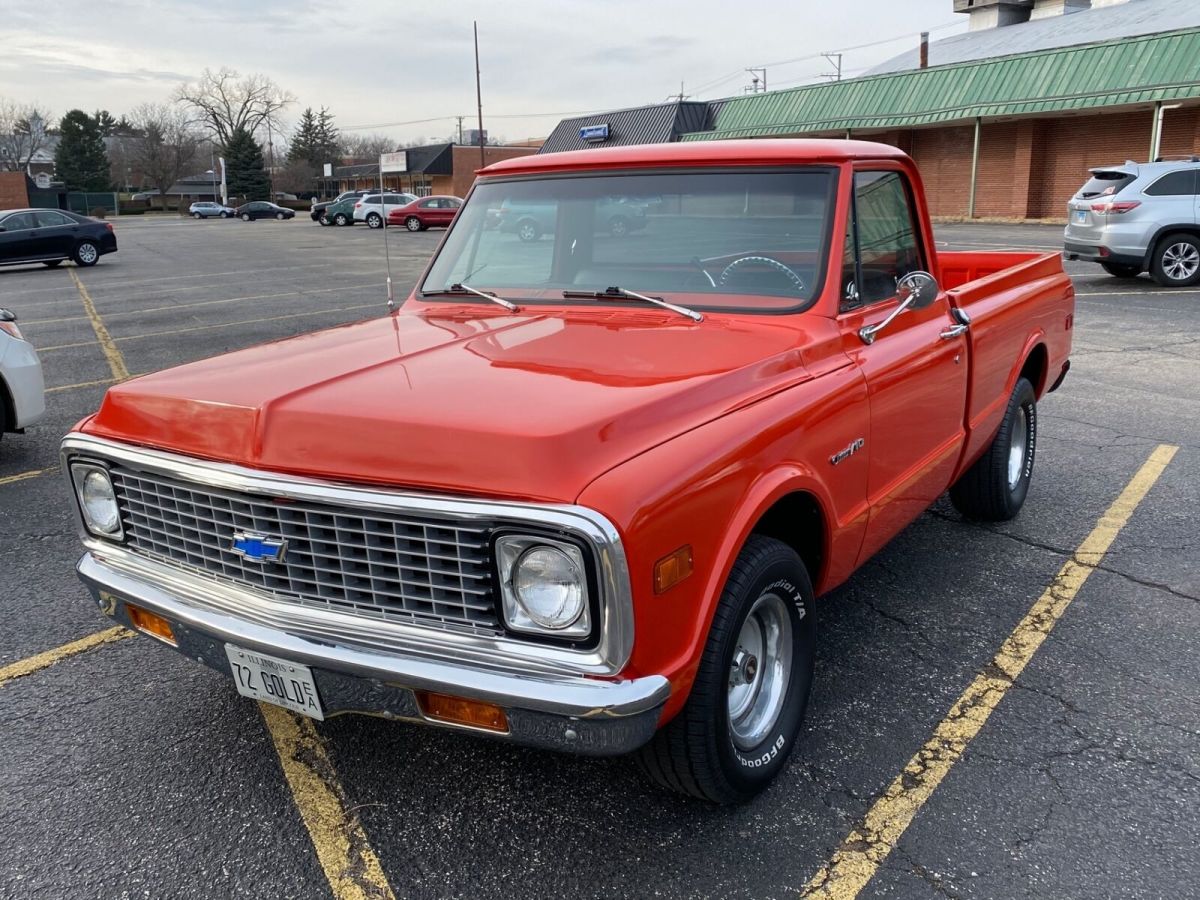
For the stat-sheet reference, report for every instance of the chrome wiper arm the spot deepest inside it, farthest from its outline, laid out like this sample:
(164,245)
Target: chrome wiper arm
(461,288)
(618,292)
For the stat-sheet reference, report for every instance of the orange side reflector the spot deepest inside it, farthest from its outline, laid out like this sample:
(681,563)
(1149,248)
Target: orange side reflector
(152,624)
(461,711)
(672,569)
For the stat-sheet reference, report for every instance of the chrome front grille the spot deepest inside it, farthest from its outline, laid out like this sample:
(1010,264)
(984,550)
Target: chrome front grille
(411,568)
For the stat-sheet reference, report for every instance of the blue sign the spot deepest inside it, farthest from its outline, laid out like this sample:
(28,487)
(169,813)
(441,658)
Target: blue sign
(594,132)
(258,547)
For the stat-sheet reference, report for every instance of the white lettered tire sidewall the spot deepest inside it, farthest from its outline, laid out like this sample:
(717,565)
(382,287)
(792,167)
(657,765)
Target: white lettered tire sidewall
(751,770)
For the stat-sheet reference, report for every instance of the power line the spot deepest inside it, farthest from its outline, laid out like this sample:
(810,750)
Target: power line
(879,43)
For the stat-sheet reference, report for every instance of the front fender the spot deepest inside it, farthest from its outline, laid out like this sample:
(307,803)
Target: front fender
(708,488)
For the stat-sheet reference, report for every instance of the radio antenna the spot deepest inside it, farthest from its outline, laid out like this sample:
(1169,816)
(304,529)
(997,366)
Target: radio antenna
(386,159)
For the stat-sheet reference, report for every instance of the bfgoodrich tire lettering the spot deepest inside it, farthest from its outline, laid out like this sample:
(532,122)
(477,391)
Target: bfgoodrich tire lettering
(994,488)
(698,751)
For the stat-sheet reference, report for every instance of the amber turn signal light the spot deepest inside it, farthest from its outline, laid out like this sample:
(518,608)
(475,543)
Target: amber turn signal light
(461,711)
(672,569)
(151,624)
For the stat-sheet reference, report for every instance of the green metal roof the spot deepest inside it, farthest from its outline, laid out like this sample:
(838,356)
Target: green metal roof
(1114,73)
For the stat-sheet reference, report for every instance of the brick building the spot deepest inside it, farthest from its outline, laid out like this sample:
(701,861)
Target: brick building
(433,169)
(1005,120)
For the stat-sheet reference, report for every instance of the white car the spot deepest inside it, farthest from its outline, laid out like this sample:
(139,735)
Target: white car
(22,391)
(368,209)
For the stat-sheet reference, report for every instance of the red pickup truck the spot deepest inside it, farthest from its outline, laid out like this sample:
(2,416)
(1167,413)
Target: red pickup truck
(580,492)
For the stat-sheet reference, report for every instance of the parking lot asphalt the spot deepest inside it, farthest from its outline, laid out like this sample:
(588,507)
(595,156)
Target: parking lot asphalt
(129,771)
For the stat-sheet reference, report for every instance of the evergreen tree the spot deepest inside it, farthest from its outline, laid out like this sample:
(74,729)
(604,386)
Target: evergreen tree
(329,141)
(80,159)
(304,141)
(246,173)
(316,139)
(105,122)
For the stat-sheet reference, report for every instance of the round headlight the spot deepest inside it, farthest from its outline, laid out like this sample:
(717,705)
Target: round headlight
(549,587)
(99,502)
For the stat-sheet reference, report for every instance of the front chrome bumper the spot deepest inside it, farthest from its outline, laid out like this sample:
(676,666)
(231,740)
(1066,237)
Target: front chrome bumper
(560,712)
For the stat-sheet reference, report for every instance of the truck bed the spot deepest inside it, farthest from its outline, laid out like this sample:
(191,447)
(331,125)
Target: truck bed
(1018,302)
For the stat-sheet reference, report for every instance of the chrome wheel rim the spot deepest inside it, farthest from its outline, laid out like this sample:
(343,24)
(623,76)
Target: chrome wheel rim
(1181,261)
(1017,448)
(527,233)
(619,228)
(760,671)
(374,221)
(87,253)
(414,225)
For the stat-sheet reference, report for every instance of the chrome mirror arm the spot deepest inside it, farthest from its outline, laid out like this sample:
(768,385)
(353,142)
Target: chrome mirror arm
(868,333)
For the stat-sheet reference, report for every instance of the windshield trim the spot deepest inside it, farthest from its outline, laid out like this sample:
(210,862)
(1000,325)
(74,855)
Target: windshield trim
(833,170)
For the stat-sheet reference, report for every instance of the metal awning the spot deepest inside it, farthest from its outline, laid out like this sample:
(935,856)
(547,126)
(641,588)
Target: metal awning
(1130,71)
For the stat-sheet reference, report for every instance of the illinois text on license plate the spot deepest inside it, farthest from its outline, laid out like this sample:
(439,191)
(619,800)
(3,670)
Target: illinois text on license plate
(1081,216)
(274,680)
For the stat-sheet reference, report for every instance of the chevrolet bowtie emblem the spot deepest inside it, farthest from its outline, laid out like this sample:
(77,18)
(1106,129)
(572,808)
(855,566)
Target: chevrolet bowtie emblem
(259,547)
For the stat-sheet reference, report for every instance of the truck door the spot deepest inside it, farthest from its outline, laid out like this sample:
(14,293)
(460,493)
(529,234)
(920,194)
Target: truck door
(915,368)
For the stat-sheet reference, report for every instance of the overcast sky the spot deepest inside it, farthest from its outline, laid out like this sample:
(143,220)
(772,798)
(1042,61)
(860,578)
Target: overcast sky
(380,63)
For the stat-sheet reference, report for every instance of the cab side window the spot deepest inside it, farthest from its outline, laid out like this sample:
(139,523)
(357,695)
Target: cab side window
(888,243)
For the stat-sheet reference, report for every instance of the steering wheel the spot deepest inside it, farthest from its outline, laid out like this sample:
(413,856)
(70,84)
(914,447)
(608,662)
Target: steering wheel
(789,273)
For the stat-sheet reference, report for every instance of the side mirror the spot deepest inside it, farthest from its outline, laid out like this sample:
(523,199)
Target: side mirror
(919,287)
(916,290)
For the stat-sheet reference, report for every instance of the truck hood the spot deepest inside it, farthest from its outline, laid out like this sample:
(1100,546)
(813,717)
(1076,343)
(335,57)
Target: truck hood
(453,398)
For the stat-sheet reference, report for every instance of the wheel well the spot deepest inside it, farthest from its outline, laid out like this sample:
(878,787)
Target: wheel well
(1185,228)
(8,409)
(797,521)
(1035,368)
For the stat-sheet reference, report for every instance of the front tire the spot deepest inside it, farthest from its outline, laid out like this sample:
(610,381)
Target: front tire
(1176,261)
(197,216)
(374,220)
(742,717)
(1120,270)
(86,254)
(994,488)
(529,230)
(280,216)
(618,226)
(224,215)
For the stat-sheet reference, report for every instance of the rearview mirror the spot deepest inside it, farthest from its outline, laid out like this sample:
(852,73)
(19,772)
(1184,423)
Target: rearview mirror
(921,287)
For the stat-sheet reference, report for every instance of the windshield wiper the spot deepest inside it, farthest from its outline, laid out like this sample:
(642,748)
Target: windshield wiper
(467,289)
(615,293)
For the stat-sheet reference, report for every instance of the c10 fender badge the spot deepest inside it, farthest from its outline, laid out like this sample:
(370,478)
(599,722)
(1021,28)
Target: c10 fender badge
(856,445)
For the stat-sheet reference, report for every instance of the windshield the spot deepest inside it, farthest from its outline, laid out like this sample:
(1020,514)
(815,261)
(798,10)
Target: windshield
(743,240)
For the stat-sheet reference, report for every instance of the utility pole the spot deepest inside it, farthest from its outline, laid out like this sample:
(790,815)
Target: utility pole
(479,97)
(460,118)
(758,81)
(836,60)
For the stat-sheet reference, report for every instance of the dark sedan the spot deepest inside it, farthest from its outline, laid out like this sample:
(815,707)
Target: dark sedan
(49,236)
(261,209)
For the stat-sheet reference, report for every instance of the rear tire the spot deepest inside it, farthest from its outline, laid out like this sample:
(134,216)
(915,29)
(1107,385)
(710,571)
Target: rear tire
(529,230)
(412,223)
(341,219)
(374,220)
(197,216)
(245,217)
(995,487)
(1176,261)
(1119,270)
(86,254)
(741,719)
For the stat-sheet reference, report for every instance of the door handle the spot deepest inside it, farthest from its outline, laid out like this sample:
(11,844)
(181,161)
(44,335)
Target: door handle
(952,332)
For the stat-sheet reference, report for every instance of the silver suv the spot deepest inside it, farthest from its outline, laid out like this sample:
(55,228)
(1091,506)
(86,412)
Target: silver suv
(1138,217)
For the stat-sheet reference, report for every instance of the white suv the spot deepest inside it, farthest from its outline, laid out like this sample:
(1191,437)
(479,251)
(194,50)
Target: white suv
(368,208)
(1139,217)
(22,391)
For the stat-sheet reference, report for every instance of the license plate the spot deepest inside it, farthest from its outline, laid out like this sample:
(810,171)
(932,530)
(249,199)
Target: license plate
(274,680)
(1080,216)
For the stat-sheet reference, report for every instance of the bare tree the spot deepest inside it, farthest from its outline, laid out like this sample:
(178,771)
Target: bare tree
(166,147)
(224,102)
(367,147)
(22,133)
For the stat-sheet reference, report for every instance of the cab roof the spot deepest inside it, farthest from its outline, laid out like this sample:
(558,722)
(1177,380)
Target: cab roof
(765,152)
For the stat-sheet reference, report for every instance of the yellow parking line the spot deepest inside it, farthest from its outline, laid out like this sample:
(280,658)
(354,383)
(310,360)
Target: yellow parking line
(350,864)
(116,361)
(178,306)
(137,337)
(9,479)
(43,660)
(81,384)
(860,855)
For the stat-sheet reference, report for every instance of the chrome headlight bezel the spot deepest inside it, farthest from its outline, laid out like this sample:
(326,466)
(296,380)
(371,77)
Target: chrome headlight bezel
(81,472)
(511,549)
